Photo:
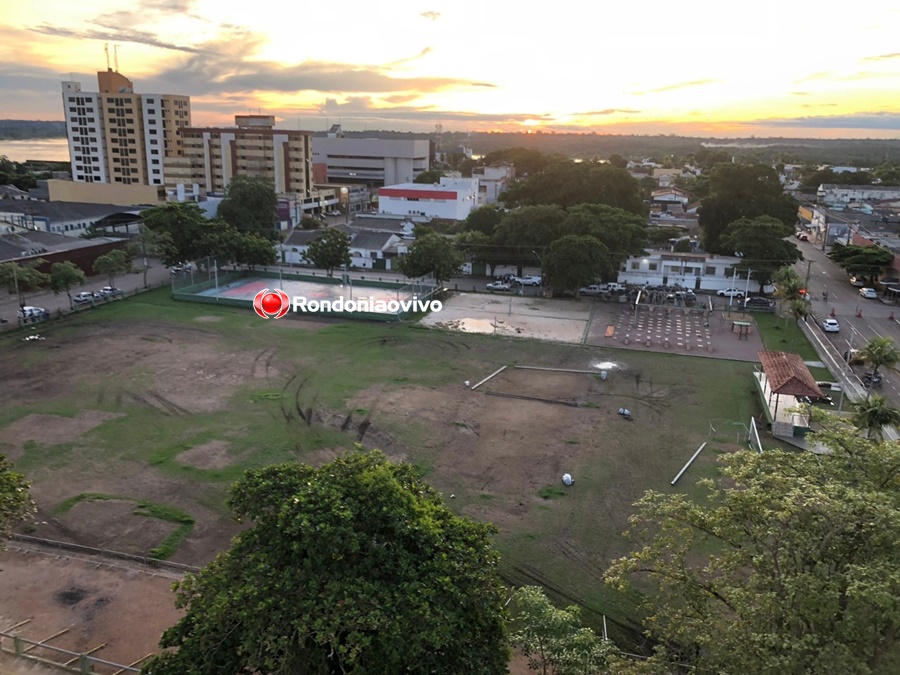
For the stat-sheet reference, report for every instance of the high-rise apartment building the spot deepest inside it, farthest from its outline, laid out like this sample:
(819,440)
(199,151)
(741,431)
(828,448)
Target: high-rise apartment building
(212,156)
(117,136)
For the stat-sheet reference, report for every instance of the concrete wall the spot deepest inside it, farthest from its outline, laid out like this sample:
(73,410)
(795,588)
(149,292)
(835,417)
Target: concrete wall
(105,193)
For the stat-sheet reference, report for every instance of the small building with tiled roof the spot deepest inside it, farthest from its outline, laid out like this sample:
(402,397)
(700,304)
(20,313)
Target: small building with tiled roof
(783,381)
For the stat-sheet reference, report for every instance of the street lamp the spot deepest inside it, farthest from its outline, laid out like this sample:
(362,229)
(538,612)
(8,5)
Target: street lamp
(345,198)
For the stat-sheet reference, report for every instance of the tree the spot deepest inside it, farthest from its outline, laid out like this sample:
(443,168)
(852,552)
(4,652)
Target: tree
(741,191)
(527,162)
(251,205)
(873,414)
(788,285)
(574,261)
(567,183)
(553,640)
(862,261)
(252,249)
(617,160)
(429,177)
(310,223)
(178,230)
(761,243)
(431,254)
(787,565)
(64,275)
(530,227)
(112,264)
(799,309)
(682,246)
(880,351)
(483,219)
(356,566)
(623,233)
(23,278)
(15,501)
(329,250)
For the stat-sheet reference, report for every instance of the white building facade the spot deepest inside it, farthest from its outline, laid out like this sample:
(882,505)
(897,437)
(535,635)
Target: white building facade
(372,161)
(85,133)
(452,198)
(696,271)
(493,181)
(830,193)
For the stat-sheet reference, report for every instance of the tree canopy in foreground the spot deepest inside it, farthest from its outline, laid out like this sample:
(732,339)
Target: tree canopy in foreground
(15,501)
(794,567)
(356,566)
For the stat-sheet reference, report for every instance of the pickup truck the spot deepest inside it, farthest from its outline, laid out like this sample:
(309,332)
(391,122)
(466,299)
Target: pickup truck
(600,289)
(528,281)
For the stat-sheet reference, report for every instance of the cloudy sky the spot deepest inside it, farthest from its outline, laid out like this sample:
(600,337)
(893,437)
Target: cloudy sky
(698,67)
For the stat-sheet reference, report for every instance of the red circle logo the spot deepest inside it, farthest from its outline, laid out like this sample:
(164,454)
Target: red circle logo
(272,304)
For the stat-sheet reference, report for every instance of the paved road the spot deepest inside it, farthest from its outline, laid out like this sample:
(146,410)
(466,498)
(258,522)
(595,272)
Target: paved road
(856,331)
(52,301)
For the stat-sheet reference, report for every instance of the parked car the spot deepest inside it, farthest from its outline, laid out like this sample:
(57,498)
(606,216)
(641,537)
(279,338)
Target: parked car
(730,293)
(827,400)
(854,357)
(802,236)
(757,302)
(857,281)
(85,297)
(110,292)
(869,293)
(498,286)
(32,314)
(528,281)
(831,326)
(593,289)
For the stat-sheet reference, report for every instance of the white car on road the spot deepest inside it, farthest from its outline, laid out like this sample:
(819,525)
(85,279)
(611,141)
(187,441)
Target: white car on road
(869,293)
(730,293)
(498,286)
(831,326)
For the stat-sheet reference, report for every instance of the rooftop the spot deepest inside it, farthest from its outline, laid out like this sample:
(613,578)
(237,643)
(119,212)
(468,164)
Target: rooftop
(23,244)
(55,211)
(788,374)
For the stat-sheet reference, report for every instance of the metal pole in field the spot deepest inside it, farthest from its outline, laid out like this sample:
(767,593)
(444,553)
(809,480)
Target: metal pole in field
(689,462)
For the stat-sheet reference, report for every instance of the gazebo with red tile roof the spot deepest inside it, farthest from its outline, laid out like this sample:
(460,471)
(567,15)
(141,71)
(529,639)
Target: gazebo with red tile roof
(787,374)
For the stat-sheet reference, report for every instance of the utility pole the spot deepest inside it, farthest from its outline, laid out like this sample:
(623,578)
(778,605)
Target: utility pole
(808,273)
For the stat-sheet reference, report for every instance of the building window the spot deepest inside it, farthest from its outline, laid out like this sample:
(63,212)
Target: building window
(156,171)
(710,271)
(153,141)
(150,101)
(652,266)
(635,265)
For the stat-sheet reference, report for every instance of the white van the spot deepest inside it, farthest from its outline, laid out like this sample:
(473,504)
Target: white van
(32,314)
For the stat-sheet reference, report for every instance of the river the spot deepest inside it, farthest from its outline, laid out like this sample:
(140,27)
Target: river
(46,149)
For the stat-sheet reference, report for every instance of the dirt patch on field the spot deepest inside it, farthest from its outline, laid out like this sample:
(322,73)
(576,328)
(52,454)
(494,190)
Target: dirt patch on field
(112,524)
(208,319)
(211,455)
(49,430)
(95,602)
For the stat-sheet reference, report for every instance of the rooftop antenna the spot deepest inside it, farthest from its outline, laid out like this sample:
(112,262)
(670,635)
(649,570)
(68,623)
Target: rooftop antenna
(106,51)
(116,57)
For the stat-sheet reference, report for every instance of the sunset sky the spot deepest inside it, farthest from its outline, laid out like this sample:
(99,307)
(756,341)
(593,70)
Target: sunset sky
(699,67)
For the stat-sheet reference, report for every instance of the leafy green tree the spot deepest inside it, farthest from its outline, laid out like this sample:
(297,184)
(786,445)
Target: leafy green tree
(576,260)
(567,183)
(15,501)
(682,246)
(787,565)
(431,254)
(477,246)
(329,250)
(483,219)
(178,231)
(429,177)
(309,223)
(617,160)
(623,233)
(799,310)
(880,352)
(252,249)
(64,275)
(554,640)
(661,235)
(251,205)
(527,162)
(20,279)
(112,264)
(872,414)
(531,227)
(739,191)
(862,261)
(353,567)
(888,173)
(762,245)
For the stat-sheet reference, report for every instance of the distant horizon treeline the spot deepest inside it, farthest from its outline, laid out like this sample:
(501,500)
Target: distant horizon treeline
(587,145)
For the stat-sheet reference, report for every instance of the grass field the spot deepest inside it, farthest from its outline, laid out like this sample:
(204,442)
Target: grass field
(165,404)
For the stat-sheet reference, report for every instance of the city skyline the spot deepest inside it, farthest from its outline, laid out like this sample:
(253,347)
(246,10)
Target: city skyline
(648,68)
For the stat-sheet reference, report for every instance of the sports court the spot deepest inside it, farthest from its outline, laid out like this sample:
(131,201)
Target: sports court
(241,290)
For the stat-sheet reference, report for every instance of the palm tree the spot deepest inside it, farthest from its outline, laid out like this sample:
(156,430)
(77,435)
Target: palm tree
(880,351)
(789,285)
(799,310)
(874,413)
